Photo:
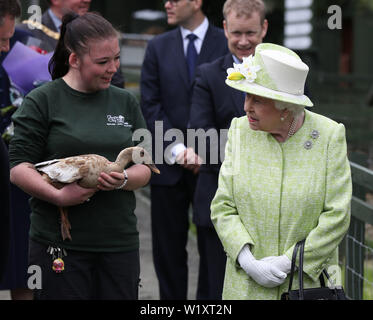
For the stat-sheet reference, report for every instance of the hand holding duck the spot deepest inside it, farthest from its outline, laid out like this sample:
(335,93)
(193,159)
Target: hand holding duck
(79,177)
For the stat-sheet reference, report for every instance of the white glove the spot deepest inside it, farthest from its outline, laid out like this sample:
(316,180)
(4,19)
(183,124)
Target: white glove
(175,151)
(262,272)
(280,262)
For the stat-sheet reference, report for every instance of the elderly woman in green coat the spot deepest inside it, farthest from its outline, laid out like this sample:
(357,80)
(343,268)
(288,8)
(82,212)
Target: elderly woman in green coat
(285,177)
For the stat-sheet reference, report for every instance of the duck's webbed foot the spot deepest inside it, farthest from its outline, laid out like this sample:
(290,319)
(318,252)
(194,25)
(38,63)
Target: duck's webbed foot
(65,224)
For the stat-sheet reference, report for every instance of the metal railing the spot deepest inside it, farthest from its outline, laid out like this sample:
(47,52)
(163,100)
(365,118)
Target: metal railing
(358,241)
(343,98)
(133,47)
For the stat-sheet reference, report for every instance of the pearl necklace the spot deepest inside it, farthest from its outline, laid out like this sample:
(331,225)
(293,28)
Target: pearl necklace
(292,128)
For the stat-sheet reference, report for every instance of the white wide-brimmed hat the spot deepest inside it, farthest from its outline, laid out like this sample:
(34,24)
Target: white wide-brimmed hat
(274,72)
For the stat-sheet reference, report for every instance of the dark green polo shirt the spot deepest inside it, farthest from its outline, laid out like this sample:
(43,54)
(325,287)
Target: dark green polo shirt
(56,121)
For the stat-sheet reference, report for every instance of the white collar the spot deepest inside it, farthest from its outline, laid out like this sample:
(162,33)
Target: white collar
(236,60)
(200,31)
(57,22)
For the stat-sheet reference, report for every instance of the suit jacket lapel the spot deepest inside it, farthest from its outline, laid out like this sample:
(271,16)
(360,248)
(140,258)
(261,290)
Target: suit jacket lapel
(208,46)
(48,22)
(238,97)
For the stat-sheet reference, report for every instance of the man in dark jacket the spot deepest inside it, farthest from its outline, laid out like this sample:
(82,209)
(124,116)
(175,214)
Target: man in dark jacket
(166,86)
(9,10)
(214,105)
(48,31)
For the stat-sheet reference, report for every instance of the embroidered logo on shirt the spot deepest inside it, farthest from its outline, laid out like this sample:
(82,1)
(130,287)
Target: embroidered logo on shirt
(117,121)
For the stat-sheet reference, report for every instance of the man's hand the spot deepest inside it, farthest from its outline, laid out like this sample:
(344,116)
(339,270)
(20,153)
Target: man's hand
(189,160)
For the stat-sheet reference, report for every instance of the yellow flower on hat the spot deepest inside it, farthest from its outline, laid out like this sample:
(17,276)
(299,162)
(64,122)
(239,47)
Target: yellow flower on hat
(235,75)
(244,71)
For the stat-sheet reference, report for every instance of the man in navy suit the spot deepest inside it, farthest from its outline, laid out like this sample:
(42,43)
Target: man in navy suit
(214,105)
(166,87)
(9,10)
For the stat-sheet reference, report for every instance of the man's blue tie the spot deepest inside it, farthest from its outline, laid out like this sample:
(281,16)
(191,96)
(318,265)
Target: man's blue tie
(191,56)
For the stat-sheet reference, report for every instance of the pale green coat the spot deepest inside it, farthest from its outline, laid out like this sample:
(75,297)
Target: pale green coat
(271,195)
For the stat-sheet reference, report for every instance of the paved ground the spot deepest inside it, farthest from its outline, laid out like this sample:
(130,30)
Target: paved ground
(149,289)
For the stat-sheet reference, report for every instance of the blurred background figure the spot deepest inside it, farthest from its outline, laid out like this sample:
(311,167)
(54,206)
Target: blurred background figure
(48,32)
(13,227)
(9,10)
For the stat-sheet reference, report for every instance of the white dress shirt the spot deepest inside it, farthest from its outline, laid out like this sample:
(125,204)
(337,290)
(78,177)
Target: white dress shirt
(200,32)
(57,22)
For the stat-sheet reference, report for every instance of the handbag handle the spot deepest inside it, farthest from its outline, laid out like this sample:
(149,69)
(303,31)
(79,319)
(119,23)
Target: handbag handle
(300,276)
(300,245)
(293,260)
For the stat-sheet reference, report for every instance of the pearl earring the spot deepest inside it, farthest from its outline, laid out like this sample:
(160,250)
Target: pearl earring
(282,118)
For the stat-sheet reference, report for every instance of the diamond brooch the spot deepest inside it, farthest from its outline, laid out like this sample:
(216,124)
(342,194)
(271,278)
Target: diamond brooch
(315,134)
(308,145)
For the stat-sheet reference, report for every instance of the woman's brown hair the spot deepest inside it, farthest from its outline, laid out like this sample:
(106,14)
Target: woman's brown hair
(76,32)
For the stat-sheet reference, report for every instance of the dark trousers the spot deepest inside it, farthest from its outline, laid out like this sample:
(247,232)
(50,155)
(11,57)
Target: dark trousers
(87,275)
(5,208)
(211,265)
(170,226)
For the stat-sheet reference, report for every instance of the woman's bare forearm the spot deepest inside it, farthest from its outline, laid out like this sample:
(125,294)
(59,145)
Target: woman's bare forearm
(29,180)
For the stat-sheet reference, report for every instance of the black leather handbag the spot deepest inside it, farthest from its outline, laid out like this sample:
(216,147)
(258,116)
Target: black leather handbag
(322,293)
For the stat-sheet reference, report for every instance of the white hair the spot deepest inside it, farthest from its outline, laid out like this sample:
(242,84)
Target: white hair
(295,109)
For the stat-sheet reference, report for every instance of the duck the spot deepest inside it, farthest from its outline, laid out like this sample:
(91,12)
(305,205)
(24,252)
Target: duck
(85,170)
